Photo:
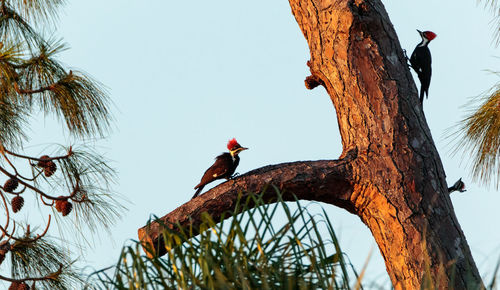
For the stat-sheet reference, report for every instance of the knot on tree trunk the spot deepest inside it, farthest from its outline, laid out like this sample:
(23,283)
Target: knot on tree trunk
(313,81)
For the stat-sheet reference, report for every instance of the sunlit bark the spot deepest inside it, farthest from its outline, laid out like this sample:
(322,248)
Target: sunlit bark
(390,173)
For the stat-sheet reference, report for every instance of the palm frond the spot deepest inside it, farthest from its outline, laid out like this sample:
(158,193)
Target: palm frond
(248,251)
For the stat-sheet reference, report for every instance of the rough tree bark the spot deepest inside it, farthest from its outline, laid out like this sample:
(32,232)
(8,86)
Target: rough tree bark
(389,174)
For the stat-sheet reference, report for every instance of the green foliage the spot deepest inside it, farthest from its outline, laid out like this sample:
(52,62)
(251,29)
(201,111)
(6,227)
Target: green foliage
(88,174)
(43,258)
(494,6)
(75,183)
(33,80)
(247,251)
(479,134)
(12,122)
(99,206)
(37,11)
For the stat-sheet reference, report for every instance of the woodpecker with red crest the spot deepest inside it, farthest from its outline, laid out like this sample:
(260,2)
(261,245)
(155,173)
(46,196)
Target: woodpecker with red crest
(421,60)
(458,186)
(224,166)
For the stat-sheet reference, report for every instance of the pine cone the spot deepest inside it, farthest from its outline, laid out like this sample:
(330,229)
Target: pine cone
(59,203)
(4,249)
(50,168)
(10,185)
(43,161)
(66,208)
(17,203)
(14,285)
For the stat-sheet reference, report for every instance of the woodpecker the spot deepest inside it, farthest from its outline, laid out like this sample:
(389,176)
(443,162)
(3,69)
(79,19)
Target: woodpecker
(421,60)
(458,186)
(224,166)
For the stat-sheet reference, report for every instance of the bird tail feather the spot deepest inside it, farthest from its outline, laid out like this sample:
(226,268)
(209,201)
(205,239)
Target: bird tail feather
(198,191)
(422,92)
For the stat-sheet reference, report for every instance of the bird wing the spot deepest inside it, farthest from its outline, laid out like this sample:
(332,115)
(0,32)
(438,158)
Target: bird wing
(218,170)
(414,60)
(222,165)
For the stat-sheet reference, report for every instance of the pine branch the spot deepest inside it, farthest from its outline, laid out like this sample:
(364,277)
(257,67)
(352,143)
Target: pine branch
(95,205)
(47,277)
(38,11)
(83,103)
(42,81)
(25,239)
(36,259)
(494,7)
(15,29)
(478,136)
(12,123)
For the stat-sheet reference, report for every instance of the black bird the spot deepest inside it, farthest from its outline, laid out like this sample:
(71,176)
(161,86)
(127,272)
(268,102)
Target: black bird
(458,186)
(224,166)
(421,60)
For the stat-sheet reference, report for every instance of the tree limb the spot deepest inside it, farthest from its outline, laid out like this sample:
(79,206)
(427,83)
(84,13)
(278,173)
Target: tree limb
(324,180)
(391,176)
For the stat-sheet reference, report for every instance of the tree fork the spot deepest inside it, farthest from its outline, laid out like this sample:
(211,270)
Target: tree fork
(390,173)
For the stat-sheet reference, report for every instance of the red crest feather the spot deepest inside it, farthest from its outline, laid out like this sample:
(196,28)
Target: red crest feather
(232,144)
(429,35)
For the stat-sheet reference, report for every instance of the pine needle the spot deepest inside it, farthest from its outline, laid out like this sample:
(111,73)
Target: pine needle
(42,258)
(494,7)
(38,11)
(480,137)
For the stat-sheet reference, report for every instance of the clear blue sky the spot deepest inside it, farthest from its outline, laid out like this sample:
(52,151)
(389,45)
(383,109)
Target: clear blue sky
(186,76)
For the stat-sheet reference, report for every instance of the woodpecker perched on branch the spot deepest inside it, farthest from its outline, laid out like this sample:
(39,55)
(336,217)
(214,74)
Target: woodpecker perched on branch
(224,166)
(458,186)
(421,60)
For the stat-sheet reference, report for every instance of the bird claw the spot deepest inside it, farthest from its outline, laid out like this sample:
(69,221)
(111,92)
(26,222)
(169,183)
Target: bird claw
(235,175)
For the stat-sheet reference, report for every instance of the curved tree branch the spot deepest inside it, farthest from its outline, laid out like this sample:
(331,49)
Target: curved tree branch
(325,180)
(391,175)
(35,189)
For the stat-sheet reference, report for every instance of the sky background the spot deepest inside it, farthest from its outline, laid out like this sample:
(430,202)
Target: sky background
(186,76)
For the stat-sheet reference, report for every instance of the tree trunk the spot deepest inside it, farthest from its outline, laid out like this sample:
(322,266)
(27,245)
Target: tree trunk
(389,174)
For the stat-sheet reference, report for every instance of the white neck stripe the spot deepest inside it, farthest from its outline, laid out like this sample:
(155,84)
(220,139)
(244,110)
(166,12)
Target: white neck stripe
(424,42)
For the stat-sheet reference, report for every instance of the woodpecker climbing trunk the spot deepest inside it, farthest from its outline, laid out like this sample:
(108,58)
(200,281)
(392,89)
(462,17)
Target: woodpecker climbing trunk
(389,174)
(401,192)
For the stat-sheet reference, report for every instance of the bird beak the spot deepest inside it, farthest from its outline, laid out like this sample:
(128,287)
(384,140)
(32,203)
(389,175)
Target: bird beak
(238,150)
(419,32)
